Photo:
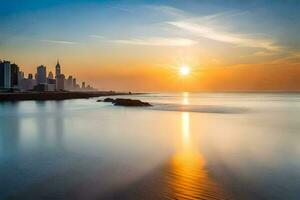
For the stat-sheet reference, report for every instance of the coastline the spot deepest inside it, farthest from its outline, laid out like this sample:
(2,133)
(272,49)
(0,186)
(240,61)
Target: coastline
(47,96)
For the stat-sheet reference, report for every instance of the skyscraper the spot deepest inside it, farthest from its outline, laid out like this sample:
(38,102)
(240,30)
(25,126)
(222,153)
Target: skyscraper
(57,70)
(50,75)
(30,76)
(51,82)
(74,83)
(14,74)
(60,82)
(60,85)
(69,83)
(5,74)
(20,76)
(41,75)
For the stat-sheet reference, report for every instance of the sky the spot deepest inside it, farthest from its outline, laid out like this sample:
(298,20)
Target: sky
(140,45)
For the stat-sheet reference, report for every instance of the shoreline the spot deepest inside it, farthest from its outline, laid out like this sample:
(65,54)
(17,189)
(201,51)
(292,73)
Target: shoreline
(56,96)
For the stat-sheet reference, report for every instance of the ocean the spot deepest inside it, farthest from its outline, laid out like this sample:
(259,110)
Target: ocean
(187,146)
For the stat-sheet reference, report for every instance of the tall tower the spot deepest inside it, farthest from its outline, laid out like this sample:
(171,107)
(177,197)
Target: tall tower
(41,74)
(57,70)
(5,74)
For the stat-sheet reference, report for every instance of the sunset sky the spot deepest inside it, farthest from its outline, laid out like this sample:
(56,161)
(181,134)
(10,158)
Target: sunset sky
(140,45)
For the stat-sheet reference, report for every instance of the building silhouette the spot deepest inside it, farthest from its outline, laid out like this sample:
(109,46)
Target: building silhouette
(69,83)
(11,77)
(14,75)
(30,76)
(27,83)
(5,74)
(41,75)
(74,83)
(57,70)
(20,78)
(60,82)
(51,82)
(50,75)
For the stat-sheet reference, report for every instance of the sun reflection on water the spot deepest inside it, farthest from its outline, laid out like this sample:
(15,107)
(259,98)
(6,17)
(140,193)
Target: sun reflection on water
(185,128)
(189,179)
(185,99)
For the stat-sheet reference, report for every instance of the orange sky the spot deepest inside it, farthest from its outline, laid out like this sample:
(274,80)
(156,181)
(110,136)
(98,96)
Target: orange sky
(140,47)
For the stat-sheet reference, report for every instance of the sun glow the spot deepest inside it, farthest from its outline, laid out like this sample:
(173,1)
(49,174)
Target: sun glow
(184,70)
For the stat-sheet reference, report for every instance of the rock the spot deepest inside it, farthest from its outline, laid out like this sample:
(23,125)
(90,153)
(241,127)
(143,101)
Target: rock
(109,100)
(125,102)
(130,102)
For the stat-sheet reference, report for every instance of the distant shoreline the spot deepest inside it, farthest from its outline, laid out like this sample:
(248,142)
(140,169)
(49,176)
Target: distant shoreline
(47,96)
(65,95)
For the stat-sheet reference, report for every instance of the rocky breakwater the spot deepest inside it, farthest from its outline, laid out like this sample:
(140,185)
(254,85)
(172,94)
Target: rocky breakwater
(125,102)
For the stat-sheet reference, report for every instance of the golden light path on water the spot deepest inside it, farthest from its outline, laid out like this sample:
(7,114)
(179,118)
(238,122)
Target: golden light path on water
(185,99)
(189,178)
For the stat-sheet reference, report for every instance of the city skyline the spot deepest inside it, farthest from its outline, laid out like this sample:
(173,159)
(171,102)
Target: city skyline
(13,78)
(139,45)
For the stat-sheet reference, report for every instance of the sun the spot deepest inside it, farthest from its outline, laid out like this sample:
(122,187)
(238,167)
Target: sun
(184,70)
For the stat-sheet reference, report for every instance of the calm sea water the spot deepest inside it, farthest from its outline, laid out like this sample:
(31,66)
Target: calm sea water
(188,146)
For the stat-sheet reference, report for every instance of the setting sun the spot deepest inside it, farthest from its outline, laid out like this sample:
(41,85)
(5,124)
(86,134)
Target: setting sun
(184,70)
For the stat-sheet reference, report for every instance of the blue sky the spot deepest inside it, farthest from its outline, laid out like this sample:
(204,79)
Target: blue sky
(149,33)
(75,19)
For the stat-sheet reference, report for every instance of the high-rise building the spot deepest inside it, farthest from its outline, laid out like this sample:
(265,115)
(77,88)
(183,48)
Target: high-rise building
(30,76)
(74,83)
(28,84)
(20,76)
(57,70)
(51,82)
(60,82)
(14,74)
(69,83)
(20,79)
(41,75)
(50,75)
(83,85)
(1,74)
(5,74)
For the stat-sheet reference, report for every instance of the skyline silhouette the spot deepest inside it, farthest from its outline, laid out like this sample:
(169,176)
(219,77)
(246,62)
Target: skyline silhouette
(13,78)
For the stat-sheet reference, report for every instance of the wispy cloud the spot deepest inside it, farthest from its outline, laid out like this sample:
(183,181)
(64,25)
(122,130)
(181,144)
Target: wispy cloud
(168,10)
(220,27)
(58,41)
(226,37)
(158,41)
(96,36)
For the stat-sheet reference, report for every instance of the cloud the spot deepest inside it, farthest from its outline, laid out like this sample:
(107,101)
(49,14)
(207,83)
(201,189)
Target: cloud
(217,27)
(96,36)
(158,41)
(168,10)
(58,41)
(226,37)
